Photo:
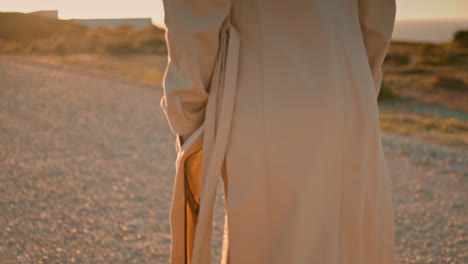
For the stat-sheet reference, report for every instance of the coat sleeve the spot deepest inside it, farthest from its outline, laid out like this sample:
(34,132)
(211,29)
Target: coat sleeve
(192,39)
(377,19)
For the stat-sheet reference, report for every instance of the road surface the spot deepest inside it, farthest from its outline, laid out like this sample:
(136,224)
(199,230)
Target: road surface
(87,165)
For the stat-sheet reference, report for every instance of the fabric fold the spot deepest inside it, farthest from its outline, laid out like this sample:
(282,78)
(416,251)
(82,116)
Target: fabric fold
(191,238)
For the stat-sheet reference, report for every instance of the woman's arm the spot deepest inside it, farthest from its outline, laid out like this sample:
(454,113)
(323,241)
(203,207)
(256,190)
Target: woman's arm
(192,38)
(377,18)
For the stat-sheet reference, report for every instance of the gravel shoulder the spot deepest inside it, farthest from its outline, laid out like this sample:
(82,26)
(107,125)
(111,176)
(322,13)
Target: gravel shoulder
(87,165)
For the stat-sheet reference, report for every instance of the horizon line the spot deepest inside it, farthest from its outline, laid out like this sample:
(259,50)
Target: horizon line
(163,25)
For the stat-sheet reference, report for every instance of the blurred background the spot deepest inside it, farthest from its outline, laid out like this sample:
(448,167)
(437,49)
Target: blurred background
(87,157)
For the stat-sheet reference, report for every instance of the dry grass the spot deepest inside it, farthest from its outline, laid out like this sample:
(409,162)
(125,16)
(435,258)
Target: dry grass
(144,69)
(439,129)
(435,74)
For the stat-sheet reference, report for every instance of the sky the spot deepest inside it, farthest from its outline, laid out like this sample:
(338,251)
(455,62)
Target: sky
(406,9)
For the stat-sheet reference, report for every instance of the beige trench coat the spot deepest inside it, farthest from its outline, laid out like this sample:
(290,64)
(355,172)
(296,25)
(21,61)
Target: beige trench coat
(281,105)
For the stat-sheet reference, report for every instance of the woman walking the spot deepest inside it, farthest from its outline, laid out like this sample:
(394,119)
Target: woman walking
(279,100)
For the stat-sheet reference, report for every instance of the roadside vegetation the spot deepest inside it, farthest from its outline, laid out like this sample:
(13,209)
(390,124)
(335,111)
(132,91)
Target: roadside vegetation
(416,75)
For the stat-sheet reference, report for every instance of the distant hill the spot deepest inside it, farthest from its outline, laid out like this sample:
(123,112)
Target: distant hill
(46,13)
(31,33)
(23,27)
(428,30)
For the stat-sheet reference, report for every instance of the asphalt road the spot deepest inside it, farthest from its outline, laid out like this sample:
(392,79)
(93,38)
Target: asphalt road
(87,165)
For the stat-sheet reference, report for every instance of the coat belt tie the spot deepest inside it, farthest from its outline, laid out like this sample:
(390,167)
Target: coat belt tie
(217,127)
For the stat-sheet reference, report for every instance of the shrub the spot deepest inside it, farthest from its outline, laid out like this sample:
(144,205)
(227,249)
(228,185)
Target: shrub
(386,93)
(454,58)
(122,47)
(153,45)
(449,82)
(429,50)
(449,57)
(59,47)
(461,38)
(124,30)
(414,69)
(152,42)
(398,59)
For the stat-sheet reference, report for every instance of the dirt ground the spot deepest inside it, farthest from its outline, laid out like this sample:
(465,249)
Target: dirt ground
(87,165)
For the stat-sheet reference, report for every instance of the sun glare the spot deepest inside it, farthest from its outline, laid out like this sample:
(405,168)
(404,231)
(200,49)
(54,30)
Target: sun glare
(414,9)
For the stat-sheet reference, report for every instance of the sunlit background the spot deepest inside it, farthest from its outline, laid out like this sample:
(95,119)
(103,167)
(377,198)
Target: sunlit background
(87,157)
(407,9)
(417,20)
